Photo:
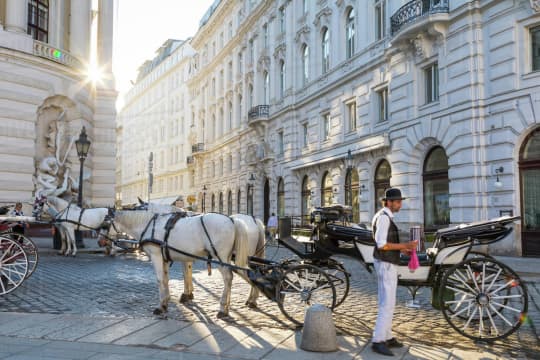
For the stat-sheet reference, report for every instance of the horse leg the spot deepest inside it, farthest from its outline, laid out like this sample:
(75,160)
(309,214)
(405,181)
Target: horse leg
(226,296)
(63,240)
(161,269)
(68,242)
(188,282)
(74,242)
(251,302)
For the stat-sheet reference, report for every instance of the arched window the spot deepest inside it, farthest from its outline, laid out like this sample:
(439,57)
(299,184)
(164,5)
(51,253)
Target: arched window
(250,96)
(266,89)
(213,127)
(325,49)
(305,64)
(240,109)
(529,173)
(38,20)
(281,197)
(239,201)
(352,193)
(306,200)
(436,206)
(349,33)
(221,120)
(281,79)
(229,203)
(326,190)
(213,202)
(220,203)
(383,173)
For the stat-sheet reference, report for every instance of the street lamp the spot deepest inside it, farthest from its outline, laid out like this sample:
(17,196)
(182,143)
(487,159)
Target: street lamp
(251,182)
(83,145)
(498,184)
(204,198)
(349,160)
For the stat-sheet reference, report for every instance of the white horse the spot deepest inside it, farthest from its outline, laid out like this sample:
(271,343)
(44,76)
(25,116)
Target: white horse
(69,218)
(219,237)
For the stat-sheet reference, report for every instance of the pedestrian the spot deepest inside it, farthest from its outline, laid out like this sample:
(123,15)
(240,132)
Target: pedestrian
(386,259)
(19,226)
(272,226)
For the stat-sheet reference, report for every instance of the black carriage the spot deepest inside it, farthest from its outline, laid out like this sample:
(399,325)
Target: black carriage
(480,297)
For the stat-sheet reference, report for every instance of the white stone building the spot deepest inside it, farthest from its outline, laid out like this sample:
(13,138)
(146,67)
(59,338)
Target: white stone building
(437,97)
(46,98)
(154,121)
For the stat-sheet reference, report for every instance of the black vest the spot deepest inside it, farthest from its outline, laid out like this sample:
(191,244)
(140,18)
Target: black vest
(391,256)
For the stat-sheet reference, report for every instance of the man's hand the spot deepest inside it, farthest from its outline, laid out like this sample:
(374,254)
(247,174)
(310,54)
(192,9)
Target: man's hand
(412,245)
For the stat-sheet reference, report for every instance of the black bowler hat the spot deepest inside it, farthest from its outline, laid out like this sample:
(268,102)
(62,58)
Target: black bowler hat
(392,194)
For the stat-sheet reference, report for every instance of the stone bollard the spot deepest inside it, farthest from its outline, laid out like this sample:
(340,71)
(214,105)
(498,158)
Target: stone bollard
(319,332)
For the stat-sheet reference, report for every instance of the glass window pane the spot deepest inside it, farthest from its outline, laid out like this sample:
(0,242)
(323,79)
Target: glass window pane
(436,206)
(436,161)
(531,199)
(383,171)
(532,148)
(535,43)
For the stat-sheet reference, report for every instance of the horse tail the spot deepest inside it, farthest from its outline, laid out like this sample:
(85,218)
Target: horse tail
(240,243)
(260,252)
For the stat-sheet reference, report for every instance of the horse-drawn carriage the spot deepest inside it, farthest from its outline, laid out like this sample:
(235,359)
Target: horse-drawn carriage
(18,253)
(480,297)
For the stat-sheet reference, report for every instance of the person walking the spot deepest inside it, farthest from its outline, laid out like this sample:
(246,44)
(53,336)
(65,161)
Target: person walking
(386,259)
(272,226)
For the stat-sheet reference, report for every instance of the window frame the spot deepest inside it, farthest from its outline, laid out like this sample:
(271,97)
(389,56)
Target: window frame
(534,32)
(350,35)
(380,19)
(431,83)
(35,29)
(325,50)
(382,105)
(325,135)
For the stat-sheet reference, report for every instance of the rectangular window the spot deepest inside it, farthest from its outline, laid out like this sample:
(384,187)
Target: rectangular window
(230,30)
(305,6)
(535,43)
(280,143)
(251,51)
(382,103)
(38,20)
(431,74)
(351,114)
(326,127)
(380,10)
(305,134)
(265,35)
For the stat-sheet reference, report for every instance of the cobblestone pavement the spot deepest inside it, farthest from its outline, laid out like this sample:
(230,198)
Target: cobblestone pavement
(93,284)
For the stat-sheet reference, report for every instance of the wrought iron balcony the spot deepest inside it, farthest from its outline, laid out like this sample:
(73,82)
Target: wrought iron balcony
(195,148)
(416,9)
(259,112)
(190,160)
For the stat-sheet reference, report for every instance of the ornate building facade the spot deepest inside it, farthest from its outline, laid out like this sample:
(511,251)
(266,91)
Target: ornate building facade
(154,125)
(46,98)
(437,97)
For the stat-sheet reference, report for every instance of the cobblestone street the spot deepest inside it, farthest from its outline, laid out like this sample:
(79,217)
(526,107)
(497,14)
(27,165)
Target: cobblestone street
(93,284)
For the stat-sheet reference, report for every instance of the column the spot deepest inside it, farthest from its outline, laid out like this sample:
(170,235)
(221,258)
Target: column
(105,36)
(79,26)
(16,16)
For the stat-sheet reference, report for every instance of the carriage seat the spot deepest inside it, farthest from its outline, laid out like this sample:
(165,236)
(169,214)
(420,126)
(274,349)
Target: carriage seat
(423,259)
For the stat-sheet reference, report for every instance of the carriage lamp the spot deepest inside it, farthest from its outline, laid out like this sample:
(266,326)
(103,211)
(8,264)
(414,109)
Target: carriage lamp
(83,145)
(498,184)
(349,160)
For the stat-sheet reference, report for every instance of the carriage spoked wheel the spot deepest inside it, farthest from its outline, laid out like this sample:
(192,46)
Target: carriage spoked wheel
(483,299)
(31,250)
(302,286)
(13,265)
(339,277)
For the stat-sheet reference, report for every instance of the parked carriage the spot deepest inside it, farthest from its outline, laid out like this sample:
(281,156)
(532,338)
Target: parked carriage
(480,297)
(18,254)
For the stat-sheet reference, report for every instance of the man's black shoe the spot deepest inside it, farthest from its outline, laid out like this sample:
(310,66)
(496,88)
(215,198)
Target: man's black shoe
(393,343)
(381,348)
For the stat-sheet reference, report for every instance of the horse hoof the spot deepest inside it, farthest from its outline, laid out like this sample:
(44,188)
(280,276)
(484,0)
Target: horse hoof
(186,298)
(251,305)
(221,315)
(158,311)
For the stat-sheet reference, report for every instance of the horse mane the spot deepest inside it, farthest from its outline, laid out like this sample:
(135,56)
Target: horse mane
(132,217)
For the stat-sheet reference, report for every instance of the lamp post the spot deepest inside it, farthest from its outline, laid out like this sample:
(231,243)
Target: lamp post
(251,182)
(204,198)
(83,145)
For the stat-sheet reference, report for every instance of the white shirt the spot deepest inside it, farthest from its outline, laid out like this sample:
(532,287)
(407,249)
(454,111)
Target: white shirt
(272,221)
(382,224)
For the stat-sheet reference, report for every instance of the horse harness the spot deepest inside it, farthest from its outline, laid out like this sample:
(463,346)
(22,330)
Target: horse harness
(166,247)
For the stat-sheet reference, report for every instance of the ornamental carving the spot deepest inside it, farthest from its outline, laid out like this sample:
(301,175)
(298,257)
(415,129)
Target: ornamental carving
(322,17)
(279,52)
(302,35)
(535,4)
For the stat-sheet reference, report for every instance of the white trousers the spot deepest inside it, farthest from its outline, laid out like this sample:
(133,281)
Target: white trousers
(386,296)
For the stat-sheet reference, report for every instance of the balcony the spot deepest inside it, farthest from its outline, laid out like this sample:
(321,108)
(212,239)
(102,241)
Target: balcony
(47,51)
(419,12)
(259,112)
(196,148)
(190,160)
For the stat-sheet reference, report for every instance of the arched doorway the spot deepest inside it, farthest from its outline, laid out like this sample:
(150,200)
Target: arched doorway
(383,173)
(281,197)
(326,190)
(436,190)
(529,175)
(305,200)
(266,214)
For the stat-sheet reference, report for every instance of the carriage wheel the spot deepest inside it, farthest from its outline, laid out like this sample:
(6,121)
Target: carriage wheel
(31,250)
(302,286)
(483,299)
(13,265)
(340,278)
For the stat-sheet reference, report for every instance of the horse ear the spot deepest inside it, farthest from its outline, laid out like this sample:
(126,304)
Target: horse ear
(140,200)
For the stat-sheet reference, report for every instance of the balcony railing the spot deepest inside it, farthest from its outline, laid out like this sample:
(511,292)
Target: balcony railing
(190,160)
(415,9)
(259,112)
(195,148)
(61,56)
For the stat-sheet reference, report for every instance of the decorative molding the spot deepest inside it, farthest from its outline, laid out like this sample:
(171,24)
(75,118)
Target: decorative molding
(302,35)
(322,17)
(535,5)
(280,51)
(263,63)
